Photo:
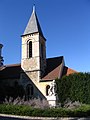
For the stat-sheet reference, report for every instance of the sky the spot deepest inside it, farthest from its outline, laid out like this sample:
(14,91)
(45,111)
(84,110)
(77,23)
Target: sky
(65,25)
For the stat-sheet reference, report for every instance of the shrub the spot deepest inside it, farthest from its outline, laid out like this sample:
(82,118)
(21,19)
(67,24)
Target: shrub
(76,87)
(23,110)
(71,105)
(35,103)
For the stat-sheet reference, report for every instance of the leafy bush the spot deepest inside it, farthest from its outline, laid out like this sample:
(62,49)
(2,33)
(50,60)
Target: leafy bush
(76,87)
(83,111)
(72,105)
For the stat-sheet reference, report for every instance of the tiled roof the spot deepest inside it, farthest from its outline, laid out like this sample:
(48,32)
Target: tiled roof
(10,71)
(53,68)
(33,25)
(68,71)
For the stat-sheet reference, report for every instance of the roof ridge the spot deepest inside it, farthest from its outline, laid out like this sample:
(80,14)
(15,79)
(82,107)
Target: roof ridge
(12,65)
(55,57)
(71,69)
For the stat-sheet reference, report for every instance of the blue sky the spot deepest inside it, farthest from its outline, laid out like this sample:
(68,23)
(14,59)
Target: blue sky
(65,25)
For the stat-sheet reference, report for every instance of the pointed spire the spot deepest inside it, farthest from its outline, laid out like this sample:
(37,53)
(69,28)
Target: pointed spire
(33,8)
(33,25)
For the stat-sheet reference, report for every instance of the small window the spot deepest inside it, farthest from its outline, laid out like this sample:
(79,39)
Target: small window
(30,49)
(47,88)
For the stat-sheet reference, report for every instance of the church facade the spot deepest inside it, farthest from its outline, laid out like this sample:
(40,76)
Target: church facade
(36,72)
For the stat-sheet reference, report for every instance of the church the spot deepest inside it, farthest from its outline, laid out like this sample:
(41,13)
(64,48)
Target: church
(36,72)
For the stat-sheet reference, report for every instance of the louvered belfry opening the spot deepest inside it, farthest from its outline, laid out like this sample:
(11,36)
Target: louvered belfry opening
(30,49)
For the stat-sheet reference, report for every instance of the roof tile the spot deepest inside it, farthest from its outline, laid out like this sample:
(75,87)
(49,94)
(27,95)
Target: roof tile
(53,68)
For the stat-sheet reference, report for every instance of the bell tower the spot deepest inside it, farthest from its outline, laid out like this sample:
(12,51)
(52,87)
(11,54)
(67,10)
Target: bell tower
(33,60)
(1,58)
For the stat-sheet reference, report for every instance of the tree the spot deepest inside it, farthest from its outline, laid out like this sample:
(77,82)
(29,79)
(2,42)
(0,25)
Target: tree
(76,87)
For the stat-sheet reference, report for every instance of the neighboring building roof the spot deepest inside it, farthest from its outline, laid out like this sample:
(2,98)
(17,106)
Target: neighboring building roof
(53,69)
(33,25)
(10,71)
(68,71)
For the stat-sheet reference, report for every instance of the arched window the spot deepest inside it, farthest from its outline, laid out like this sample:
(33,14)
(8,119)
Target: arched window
(47,88)
(29,91)
(30,49)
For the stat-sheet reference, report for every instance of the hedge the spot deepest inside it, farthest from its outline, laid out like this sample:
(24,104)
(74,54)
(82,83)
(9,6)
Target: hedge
(83,111)
(76,87)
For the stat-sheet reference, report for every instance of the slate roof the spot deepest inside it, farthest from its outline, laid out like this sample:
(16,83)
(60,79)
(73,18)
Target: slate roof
(33,25)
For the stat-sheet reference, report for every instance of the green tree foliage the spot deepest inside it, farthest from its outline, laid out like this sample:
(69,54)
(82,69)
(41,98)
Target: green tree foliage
(76,87)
